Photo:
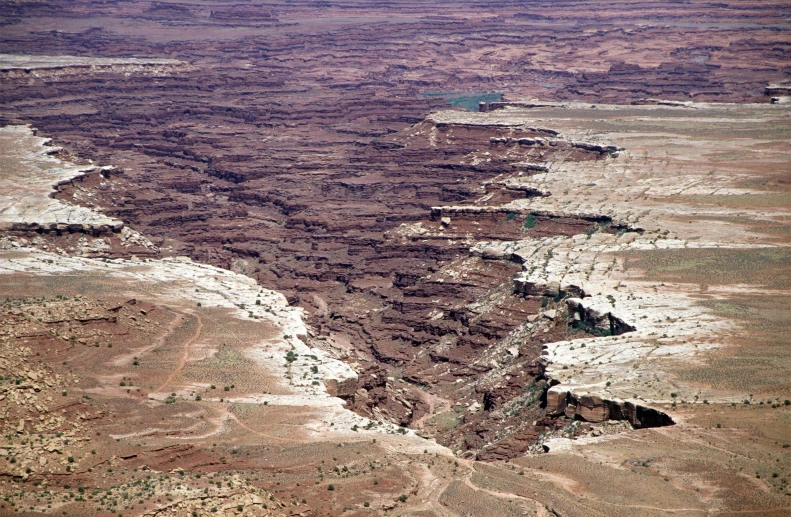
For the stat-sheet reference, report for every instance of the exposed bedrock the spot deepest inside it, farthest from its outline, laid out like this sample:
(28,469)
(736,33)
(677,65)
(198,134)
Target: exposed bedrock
(396,281)
(555,142)
(594,408)
(538,277)
(590,407)
(343,387)
(593,317)
(95,230)
(311,163)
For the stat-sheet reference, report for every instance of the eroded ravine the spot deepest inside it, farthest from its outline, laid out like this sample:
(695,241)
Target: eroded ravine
(538,277)
(421,310)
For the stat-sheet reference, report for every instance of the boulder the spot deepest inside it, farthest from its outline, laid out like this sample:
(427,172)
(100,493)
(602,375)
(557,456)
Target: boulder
(571,408)
(524,287)
(593,408)
(552,289)
(341,387)
(642,416)
(493,253)
(572,290)
(556,400)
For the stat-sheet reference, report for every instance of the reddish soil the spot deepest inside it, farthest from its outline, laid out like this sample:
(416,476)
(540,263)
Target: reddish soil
(293,146)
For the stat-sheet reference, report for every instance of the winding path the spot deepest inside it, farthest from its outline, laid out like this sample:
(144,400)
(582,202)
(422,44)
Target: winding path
(184,355)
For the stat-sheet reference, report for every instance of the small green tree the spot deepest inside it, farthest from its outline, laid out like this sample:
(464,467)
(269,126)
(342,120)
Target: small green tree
(530,221)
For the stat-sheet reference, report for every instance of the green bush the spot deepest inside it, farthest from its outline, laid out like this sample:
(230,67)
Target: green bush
(530,221)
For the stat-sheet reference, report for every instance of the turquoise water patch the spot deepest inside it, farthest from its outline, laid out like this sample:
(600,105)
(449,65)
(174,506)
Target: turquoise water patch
(466,100)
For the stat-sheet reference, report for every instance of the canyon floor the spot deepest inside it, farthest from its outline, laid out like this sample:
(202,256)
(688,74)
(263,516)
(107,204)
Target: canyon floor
(402,258)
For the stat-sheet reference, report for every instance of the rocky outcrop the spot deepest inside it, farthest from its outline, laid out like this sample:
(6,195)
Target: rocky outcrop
(557,400)
(555,142)
(606,222)
(528,191)
(533,167)
(595,408)
(594,317)
(661,102)
(95,230)
(511,447)
(289,156)
(342,387)
(525,287)
(598,148)
(521,104)
(28,184)
(780,90)
(315,178)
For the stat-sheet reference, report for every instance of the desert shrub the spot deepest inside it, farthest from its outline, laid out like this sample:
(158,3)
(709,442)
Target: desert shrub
(530,221)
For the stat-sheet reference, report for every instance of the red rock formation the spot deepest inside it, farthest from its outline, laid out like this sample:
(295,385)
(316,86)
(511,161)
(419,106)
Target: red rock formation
(293,151)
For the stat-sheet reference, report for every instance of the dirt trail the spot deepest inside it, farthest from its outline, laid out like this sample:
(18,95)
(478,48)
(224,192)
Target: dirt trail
(567,485)
(127,359)
(231,416)
(541,510)
(184,355)
(433,401)
(433,489)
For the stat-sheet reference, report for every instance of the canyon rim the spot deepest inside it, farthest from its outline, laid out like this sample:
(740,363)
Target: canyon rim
(404,258)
